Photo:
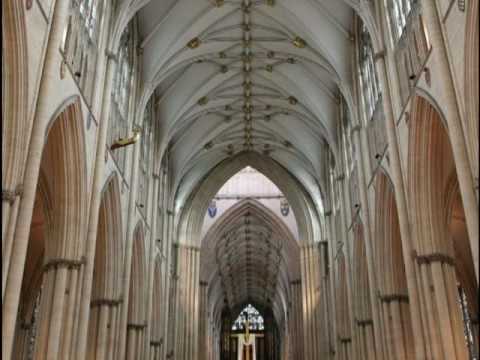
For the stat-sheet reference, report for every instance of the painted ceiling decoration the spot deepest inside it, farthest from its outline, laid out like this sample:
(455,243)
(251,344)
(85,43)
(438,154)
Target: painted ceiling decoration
(234,76)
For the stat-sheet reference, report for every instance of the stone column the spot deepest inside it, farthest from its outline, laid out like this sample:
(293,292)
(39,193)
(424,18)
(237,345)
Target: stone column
(453,117)
(401,200)
(96,199)
(128,255)
(203,321)
(153,236)
(331,273)
(15,258)
(55,309)
(368,233)
(344,194)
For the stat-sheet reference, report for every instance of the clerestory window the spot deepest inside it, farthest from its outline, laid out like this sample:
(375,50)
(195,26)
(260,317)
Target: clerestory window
(399,11)
(368,74)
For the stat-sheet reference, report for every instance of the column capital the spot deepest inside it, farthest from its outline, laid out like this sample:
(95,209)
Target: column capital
(434,257)
(110,55)
(106,302)
(394,297)
(379,56)
(137,327)
(364,322)
(10,195)
(64,263)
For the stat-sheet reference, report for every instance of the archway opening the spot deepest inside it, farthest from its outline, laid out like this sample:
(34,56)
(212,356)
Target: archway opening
(55,247)
(249,259)
(440,230)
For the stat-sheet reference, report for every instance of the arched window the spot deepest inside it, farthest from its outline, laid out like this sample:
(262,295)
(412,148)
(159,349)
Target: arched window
(119,125)
(80,42)
(255,320)
(368,74)
(398,11)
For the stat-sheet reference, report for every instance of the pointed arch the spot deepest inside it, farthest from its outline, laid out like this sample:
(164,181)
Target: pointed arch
(191,217)
(109,244)
(432,178)
(387,240)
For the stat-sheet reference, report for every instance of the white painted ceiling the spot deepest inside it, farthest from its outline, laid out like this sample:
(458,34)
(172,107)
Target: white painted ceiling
(263,76)
(243,84)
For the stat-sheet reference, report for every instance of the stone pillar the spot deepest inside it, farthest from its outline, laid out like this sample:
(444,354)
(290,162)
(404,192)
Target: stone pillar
(344,194)
(12,271)
(203,321)
(331,274)
(128,255)
(54,331)
(314,324)
(169,296)
(395,312)
(368,224)
(401,200)
(151,261)
(440,309)
(96,199)
(187,334)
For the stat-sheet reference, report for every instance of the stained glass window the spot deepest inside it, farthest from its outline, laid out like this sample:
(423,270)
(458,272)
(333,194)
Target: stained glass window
(256,322)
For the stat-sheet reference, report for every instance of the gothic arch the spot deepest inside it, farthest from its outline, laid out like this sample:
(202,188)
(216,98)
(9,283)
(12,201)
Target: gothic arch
(387,240)
(109,244)
(106,288)
(192,215)
(431,175)
(57,229)
(392,281)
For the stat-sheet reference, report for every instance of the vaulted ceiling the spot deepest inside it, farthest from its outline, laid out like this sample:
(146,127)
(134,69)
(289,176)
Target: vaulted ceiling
(246,75)
(250,256)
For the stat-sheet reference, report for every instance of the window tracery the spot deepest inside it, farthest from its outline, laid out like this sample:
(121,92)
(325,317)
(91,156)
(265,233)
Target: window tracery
(80,42)
(410,42)
(368,74)
(119,124)
(399,11)
(372,95)
(256,321)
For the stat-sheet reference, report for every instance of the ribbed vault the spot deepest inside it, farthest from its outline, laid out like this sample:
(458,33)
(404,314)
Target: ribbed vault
(249,256)
(230,76)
